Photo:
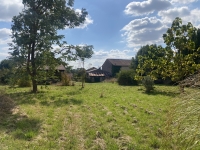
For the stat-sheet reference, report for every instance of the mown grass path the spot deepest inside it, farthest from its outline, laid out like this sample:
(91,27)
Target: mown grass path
(100,116)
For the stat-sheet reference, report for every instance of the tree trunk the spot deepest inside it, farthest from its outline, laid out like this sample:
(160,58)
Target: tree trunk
(83,76)
(34,82)
(34,71)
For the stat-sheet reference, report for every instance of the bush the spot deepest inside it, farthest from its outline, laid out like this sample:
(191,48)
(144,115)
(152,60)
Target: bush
(24,82)
(126,77)
(65,79)
(148,83)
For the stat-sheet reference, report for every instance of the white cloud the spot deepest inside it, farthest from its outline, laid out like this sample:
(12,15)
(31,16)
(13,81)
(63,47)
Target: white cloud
(4,49)
(146,7)
(5,36)
(88,21)
(184,13)
(4,40)
(194,18)
(149,30)
(3,55)
(144,31)
(4,32)
(183,1)
(169,15)
(9,8)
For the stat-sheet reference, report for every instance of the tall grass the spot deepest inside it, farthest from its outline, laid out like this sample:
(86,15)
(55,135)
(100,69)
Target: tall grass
(183,125)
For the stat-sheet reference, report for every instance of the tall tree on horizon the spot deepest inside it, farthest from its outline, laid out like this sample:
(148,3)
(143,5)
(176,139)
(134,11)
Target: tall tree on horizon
(34,31)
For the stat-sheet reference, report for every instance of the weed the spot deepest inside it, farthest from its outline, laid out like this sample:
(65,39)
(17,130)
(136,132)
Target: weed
(148,83)
(101,95)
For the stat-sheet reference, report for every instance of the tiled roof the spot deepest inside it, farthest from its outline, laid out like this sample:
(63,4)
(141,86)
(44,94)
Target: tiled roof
(98,73)
(91,69)
(60,67)
(120,62)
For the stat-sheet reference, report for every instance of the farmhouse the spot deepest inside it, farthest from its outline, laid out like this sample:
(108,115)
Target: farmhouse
(113,66)
(59,68)
(97,75)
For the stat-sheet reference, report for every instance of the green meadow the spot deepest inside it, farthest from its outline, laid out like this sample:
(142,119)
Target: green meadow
(101,116)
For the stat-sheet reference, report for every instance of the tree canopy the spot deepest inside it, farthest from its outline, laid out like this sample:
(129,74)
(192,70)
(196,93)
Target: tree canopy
(34,32)
(83,52)
(179,59)
(181,39)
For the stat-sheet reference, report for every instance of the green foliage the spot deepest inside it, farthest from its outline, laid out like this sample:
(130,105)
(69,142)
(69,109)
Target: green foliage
(126,77)
(182,40)
(24,81)
(177,60)
(148,83)
(153,62)
(83,52)
(143,51)
(6,70)
(134,63)
(34,31)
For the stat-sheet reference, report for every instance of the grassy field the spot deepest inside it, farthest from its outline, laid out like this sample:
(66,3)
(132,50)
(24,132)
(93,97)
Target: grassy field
(102,116)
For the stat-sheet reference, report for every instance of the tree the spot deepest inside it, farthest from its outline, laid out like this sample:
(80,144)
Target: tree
(6,70)
(143,51)
(182,40)
(153,62)
(178,59)
(134,63)
(34,31)
(83,52)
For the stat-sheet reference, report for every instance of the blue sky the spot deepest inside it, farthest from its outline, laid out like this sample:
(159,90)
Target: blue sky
(116,28)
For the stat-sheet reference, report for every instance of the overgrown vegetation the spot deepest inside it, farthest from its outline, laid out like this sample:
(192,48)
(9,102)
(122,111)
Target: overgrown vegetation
(126,77)
(24,80)
(182,127)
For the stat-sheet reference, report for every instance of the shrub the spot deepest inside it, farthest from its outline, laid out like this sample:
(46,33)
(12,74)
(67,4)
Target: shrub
(148,83)
(24,82)
(126,77)
(65,79)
